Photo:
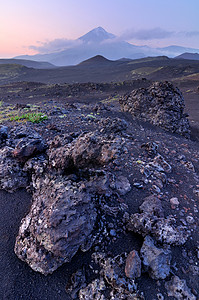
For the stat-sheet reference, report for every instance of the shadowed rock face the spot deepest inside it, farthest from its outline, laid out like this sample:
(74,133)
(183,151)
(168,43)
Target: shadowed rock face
(63,214)
(3,133)
(12,176)
(88,149)
(161,104)
(61,218)
(16,148)
(178,289)
(155,260)
(151,221)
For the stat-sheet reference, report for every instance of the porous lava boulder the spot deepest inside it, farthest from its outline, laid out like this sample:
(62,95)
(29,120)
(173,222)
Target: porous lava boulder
(152,205)
(161,104)
(113,125)
(3,134)
(133,265)
(27,142)
(151,221)
(61,219)
(12,176)
(28,147)
(86,149)
(93,290)
(89,149)
(178,289)
(156,260)
(16,148)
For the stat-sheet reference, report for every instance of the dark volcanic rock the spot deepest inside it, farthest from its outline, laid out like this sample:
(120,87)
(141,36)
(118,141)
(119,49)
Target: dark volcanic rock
(28,147)
(89,149)
(150,147)
(113,125)
(24,140)
(114,275)
(155,260)
(133,265)
(23,131)
(86,149)
(12,176)
(121,184)
(152,205)
(36,166)
(28,143)
(76,282)
(93,291)
(63,215)
(178,288)
(163,229)
(166,231)
(60,158)
(91,180)
(92,148)
(151,221)
(3,133)
(161,104)
(113,283)
(61,219)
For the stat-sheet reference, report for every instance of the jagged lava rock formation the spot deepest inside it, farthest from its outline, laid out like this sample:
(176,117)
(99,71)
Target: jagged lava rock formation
(103,183)
(161,104)
(63,213)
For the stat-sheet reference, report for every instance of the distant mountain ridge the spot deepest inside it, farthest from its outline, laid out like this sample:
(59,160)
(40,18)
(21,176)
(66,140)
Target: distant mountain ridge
(27,63)
(96,60)
(100,42)
(96,42)
(99,69)
(191,56)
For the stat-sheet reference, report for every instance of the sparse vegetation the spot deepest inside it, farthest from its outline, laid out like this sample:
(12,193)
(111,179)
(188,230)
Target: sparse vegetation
(110,99)
(29,113)
(10,71)
(31,117)
(144,71)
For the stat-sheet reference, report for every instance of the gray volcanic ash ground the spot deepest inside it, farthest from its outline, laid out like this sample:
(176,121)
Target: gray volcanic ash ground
(99,192)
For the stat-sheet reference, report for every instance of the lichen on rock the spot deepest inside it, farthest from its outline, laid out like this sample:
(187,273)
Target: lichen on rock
(12,176)
(61,219)
(178,289)
(156,260)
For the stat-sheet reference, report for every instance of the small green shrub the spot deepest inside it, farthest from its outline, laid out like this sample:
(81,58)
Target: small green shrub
(31,117)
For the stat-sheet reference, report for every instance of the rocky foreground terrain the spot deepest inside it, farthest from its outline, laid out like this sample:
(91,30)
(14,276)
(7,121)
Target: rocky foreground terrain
(100,200)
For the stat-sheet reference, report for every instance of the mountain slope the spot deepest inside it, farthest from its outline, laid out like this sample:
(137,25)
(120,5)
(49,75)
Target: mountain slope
(96,60)
(95,42)
(186,55)
(100,42)
(174,50)
(96,35)
(99,69)
(28,63)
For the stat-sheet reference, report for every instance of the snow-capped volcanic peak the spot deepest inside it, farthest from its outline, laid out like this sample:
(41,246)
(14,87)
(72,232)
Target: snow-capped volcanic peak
(96,35)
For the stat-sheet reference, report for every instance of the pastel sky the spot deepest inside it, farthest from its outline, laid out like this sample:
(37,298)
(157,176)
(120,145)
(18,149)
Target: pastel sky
(27,24)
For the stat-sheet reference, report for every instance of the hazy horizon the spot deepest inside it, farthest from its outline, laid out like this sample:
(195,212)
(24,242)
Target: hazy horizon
(27,28)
